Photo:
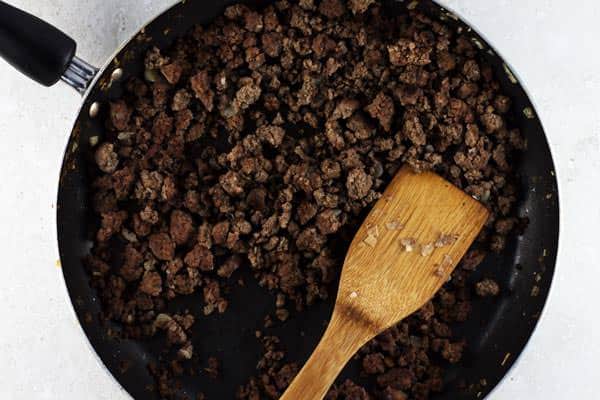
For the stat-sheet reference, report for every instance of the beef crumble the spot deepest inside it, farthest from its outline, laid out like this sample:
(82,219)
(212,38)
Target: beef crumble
(255,140)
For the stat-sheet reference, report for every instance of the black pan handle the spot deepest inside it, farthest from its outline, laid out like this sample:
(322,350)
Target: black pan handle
(41,51)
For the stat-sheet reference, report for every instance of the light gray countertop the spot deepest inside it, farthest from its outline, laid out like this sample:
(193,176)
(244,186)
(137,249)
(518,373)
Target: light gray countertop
(552,44)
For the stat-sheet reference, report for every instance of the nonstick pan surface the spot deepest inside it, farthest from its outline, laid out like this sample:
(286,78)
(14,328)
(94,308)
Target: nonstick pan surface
(496,332)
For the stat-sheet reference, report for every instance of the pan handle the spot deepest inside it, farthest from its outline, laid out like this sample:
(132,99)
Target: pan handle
(41,51)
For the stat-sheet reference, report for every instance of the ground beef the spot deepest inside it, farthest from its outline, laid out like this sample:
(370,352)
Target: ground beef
(348,391)
(374,364)
(162,246)
(332,8)
(382,108)
(181,100)
(151,284)
(401,378)
(255,145)
(181,226)
(486,288)
(406,52)
(106,158)
(229,266)
(200,257)
(271,134)
(360,6)
(131,269)
(358,184)
(200,84)
(328,221)
(111,224)
(247,95)
(472,259)
(120,113)
(171,72)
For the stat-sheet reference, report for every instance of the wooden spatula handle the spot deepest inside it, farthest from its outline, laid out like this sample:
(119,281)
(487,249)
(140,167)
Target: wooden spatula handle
(342,339)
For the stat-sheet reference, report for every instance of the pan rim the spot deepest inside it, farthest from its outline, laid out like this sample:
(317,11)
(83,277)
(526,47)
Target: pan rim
(86,97)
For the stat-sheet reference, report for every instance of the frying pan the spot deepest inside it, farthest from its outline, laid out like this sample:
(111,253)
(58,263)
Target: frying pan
(496,332)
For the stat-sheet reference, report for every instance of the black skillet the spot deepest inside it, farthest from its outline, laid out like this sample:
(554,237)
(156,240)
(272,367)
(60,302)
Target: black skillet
(497,330)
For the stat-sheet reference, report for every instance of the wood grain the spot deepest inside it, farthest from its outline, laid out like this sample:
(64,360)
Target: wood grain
(392,269)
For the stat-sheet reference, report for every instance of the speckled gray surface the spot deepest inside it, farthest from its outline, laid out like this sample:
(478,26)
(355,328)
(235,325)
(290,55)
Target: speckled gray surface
(550,43)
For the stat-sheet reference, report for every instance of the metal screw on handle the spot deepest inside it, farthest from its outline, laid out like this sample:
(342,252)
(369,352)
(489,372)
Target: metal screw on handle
(79,74)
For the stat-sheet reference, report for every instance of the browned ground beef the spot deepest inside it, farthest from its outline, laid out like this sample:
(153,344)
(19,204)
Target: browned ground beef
(254,140)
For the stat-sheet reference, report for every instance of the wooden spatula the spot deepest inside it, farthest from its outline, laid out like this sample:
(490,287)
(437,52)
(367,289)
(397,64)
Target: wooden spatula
(403,253)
